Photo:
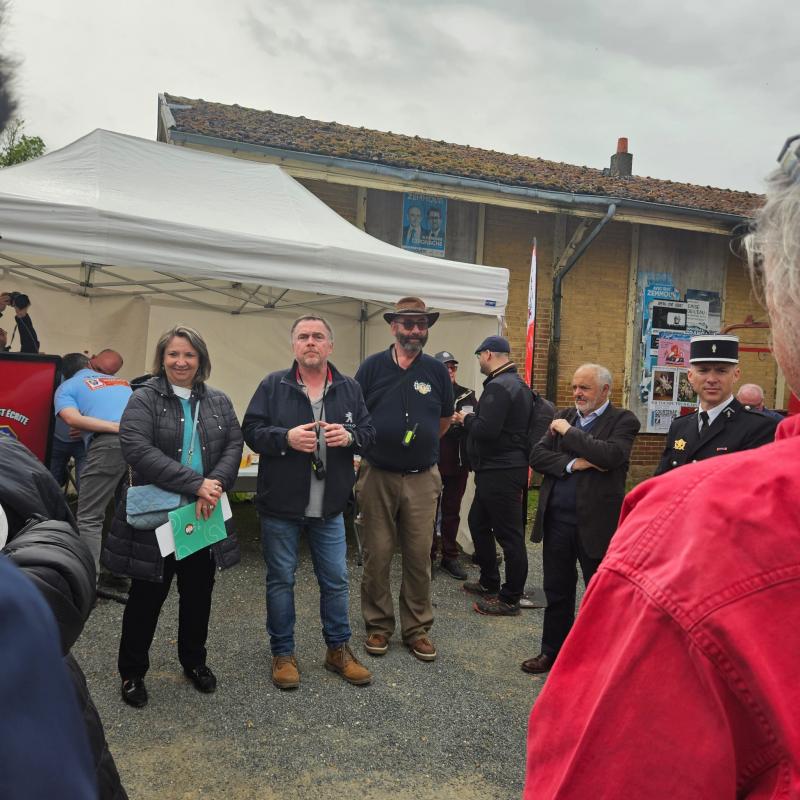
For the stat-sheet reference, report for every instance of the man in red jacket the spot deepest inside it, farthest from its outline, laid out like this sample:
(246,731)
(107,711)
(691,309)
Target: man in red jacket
(679,678)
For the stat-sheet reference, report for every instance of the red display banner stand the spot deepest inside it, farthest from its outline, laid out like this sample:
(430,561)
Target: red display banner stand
(27,385)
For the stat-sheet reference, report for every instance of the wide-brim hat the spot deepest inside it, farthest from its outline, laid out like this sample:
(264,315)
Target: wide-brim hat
(411,307)
(714,348)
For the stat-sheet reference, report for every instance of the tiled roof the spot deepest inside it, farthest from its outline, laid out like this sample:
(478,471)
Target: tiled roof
(238,124)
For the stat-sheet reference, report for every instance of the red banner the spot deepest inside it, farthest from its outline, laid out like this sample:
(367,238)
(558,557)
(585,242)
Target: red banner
(27,385)
(530,333)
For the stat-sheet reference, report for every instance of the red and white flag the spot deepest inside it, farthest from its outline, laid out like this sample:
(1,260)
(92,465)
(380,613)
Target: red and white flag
(531,329)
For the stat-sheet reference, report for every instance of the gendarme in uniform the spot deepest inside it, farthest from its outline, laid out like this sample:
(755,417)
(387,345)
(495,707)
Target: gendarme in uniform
(721,424)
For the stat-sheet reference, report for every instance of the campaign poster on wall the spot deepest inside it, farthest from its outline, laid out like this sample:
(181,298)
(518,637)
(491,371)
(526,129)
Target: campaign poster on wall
(424,224)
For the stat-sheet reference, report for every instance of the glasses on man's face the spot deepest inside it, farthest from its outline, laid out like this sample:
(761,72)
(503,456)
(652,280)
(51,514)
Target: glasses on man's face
(789,157)
(451,366)
(410,324)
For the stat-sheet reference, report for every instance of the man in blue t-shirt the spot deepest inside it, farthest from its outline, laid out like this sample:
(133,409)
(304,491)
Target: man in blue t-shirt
(410,398)
(68,442)
(92,401)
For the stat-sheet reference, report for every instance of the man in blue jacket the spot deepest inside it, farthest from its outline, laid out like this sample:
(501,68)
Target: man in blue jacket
(305,423)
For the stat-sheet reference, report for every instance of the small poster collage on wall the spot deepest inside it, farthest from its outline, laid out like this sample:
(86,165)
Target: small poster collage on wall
(668,323)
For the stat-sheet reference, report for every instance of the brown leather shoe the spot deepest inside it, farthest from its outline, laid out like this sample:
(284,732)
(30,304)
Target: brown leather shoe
(539,664)
(341,660)
(377,644)
(285,674)
(422,649)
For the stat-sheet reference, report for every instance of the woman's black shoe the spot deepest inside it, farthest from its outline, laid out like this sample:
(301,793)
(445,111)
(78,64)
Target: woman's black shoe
(203,678)
(134,693)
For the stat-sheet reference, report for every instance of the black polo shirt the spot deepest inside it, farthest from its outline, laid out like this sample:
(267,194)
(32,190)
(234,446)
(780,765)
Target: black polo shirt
(425,395)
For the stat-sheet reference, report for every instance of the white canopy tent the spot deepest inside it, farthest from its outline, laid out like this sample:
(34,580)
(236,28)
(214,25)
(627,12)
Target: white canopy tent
(115,220)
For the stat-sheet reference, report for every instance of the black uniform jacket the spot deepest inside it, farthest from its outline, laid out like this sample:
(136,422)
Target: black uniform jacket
(599,494)
(736,428)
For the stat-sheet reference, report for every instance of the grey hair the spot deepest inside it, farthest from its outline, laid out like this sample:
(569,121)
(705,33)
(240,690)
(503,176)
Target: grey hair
(603,374)
(312,318)
(195,340)
(774,243)
(751,387)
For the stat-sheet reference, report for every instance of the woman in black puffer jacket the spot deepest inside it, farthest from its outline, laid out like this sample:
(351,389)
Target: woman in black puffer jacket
(156,437)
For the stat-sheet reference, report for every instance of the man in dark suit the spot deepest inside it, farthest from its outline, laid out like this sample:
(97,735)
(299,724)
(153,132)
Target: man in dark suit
(721,424)
(584,458)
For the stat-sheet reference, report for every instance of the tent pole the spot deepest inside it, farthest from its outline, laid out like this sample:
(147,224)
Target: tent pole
(363,317)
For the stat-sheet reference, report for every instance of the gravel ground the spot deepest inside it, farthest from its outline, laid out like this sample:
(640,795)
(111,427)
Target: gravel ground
(453,728)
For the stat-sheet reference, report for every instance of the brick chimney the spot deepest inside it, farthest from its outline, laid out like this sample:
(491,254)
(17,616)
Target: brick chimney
(622,160)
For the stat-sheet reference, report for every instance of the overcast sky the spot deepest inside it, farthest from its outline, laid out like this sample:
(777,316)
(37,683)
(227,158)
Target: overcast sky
(706,92)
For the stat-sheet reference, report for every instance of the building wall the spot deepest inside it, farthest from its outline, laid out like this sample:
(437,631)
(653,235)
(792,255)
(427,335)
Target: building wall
(740,303)
(595,292)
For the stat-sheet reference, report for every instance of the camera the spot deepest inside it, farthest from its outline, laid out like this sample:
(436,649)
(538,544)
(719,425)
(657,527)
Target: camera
(19,300)
(318,467)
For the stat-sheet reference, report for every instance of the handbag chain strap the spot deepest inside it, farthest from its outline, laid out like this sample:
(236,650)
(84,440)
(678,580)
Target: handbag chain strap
(194,432)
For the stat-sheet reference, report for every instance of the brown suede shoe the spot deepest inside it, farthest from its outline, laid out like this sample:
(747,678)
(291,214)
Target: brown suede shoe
(538,664)
(377,644)
(422,649)
(341,660)
(285,674)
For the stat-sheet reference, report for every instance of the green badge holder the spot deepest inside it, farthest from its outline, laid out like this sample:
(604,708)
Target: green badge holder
(192,534)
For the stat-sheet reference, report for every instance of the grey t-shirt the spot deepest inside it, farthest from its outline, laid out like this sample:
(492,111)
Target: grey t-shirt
(317,493)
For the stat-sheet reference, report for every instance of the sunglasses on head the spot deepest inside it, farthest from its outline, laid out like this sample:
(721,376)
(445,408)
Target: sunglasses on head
(410,324)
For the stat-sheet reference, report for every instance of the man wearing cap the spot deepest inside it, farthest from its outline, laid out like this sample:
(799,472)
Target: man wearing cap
(454,469)
(721,423)
(498,450)
(410,397)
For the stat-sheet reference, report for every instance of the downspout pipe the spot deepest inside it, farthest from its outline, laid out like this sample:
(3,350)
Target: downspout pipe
(558,279)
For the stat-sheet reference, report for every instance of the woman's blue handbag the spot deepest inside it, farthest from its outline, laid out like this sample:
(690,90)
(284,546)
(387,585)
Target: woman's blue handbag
(147,506)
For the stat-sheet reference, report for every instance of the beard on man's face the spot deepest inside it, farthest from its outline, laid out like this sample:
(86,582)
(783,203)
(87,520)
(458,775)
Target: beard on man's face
(412,342)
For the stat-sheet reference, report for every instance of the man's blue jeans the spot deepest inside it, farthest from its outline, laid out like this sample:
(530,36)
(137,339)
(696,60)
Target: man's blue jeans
(280,539)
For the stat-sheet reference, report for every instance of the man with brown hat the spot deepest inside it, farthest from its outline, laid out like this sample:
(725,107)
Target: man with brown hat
(410,397)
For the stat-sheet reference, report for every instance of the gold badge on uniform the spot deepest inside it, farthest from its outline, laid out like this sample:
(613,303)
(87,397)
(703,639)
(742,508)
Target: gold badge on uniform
(680,444)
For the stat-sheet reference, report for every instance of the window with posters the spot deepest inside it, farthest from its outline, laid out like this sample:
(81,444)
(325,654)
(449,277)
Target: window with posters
(424,224)
(668,316)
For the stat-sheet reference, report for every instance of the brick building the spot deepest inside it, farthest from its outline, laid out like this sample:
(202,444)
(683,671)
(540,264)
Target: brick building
(624,228)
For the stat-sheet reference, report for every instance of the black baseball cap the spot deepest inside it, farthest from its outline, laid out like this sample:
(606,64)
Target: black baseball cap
(497,344)
(445,356)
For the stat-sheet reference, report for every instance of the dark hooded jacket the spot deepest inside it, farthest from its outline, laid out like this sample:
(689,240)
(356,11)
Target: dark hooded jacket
(151,435)
(52,555)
